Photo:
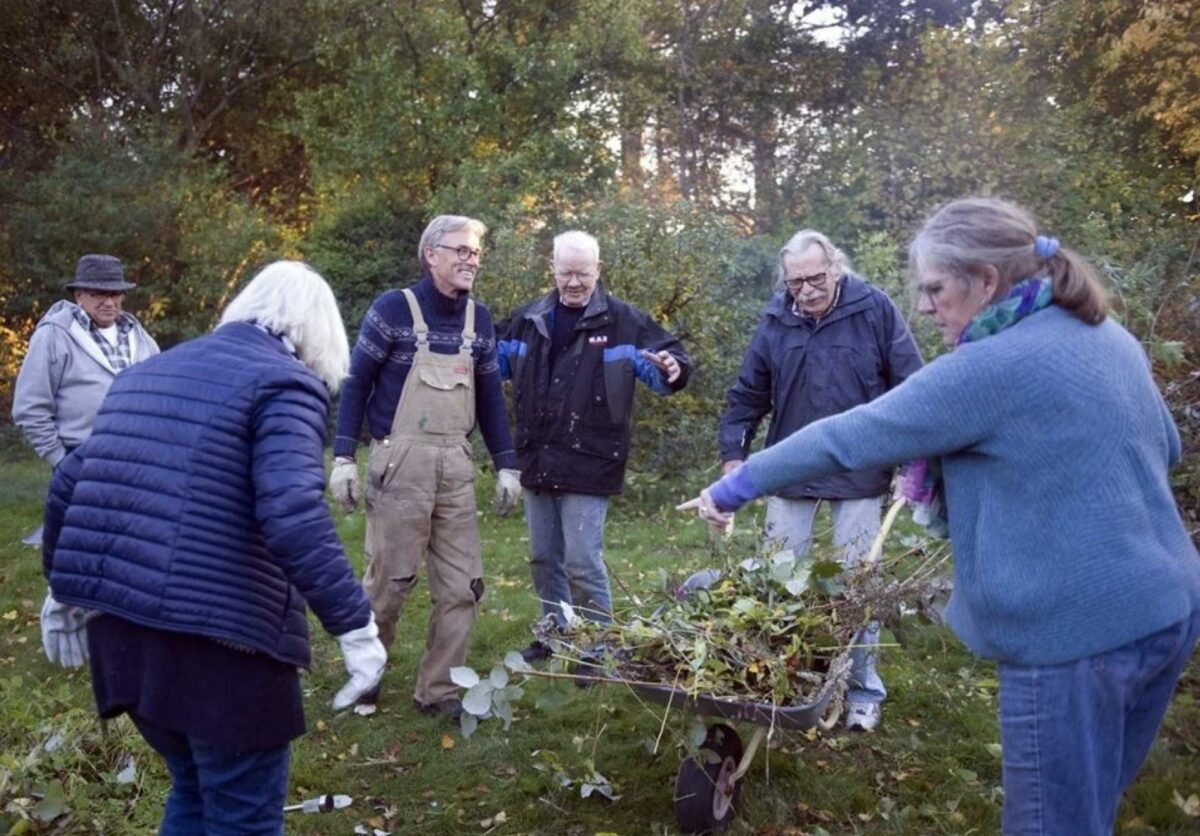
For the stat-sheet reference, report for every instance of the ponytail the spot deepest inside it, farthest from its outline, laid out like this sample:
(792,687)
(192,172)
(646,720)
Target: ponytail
(1077,288)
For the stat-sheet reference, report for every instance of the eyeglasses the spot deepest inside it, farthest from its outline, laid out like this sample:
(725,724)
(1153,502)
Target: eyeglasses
(568,275)
(815,280)
(103,294)
(464,252)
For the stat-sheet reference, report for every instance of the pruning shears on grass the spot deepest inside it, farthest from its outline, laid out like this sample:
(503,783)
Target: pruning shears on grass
(320,804)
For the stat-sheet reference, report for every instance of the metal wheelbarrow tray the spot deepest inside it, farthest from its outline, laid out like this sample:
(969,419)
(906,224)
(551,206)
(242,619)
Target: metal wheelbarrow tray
(792,717)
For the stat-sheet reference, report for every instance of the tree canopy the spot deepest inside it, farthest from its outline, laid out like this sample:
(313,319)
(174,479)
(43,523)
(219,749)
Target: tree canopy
(198,139)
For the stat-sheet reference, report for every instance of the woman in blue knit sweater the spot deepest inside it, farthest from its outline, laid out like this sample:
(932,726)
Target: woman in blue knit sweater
(1073,567)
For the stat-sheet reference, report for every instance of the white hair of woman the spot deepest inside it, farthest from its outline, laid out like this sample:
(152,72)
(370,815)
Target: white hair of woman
(290,299)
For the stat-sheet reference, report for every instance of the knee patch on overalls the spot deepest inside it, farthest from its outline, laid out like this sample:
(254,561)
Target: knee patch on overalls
(477,589)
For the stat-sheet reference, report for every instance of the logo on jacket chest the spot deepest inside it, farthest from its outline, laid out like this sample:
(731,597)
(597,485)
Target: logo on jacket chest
(599,339)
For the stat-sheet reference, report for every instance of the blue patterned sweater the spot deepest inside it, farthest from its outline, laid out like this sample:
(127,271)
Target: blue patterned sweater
(1055,446)
(383,355)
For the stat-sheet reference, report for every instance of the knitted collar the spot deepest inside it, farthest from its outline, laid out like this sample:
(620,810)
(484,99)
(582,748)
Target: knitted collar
(440,304)
(1024,298)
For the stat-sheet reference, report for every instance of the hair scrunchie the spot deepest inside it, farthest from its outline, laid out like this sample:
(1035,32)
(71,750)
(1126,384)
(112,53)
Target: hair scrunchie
(1044,247)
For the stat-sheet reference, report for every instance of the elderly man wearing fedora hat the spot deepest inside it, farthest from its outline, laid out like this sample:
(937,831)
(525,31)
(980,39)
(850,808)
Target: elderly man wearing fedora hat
(75,352)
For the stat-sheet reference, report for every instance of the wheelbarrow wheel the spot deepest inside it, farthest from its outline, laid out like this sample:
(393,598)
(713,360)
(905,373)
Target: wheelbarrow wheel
(706,791)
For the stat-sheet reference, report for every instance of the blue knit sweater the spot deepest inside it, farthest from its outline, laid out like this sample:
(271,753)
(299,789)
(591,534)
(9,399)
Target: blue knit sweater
(1055,447)
(384,353)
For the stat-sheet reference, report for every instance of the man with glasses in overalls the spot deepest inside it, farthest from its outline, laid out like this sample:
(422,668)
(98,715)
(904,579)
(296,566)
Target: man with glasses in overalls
(423,373)
(827,342)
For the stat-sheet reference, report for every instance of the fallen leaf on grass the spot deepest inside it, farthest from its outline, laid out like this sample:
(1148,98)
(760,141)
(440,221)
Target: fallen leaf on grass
(1190,805)
(447,741)
(495,821)
(364,709)
(128,774)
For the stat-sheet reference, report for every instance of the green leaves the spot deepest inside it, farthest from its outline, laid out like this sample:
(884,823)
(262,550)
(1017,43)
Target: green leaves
(491,697)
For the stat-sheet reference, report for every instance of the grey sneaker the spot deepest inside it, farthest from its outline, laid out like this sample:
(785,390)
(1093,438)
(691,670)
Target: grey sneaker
(863,716)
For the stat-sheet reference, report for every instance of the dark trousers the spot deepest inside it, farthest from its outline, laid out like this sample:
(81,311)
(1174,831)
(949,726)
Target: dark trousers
(216,792)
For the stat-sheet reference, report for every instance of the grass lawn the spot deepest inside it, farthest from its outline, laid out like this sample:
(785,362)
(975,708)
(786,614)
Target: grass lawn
(933,767)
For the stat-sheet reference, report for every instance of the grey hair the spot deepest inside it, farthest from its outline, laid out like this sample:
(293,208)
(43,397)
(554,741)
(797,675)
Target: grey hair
(965,236)
(575,239)
(805,238)
(291,299)
(443,224)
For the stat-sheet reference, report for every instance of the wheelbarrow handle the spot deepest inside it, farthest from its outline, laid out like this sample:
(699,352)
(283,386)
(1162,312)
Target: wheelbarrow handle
(886,526)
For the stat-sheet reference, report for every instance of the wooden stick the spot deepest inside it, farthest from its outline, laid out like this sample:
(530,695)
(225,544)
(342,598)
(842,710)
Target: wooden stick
(877,547)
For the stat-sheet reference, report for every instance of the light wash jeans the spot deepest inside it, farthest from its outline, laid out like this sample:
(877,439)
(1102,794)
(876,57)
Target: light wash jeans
(855,525)
(566,544)
(1074,735)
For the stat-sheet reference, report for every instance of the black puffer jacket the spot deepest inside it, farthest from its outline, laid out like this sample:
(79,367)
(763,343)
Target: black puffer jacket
(573,421)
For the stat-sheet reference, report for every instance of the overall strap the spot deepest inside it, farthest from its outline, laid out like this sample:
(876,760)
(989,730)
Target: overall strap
(468,333)
(414,310)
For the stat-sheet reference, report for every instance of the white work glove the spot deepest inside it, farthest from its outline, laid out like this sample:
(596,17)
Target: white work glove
(365,657)
(343,483)
(64,632)
(508,490)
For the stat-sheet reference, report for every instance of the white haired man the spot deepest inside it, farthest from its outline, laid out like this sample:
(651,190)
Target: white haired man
(193,525)
(424,373)
(574,357)
(826,342)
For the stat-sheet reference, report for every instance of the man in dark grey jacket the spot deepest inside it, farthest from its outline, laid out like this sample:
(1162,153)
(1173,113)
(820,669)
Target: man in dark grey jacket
(826,343)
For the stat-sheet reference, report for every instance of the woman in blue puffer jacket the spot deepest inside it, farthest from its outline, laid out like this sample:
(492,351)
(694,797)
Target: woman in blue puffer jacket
(1072,566)
(192,526)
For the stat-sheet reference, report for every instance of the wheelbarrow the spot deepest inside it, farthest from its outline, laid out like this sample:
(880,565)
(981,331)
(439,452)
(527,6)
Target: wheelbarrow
(707,786)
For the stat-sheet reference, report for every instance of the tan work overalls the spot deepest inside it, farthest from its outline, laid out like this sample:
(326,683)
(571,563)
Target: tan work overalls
(421,504)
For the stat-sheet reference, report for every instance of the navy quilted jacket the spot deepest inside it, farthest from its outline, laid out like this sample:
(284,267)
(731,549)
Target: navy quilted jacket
(197,505)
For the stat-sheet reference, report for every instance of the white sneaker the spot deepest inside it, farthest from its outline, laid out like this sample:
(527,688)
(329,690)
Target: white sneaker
(863,716)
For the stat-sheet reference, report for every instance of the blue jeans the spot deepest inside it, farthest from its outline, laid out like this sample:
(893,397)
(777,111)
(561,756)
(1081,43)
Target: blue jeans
(566,544)
(216,792)
(1074,735)
(855,525)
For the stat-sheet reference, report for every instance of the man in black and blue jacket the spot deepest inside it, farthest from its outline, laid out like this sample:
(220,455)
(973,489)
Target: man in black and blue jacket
(574,357)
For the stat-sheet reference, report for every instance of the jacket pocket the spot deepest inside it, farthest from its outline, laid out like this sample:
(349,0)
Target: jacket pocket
(601,445)
(852,378)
